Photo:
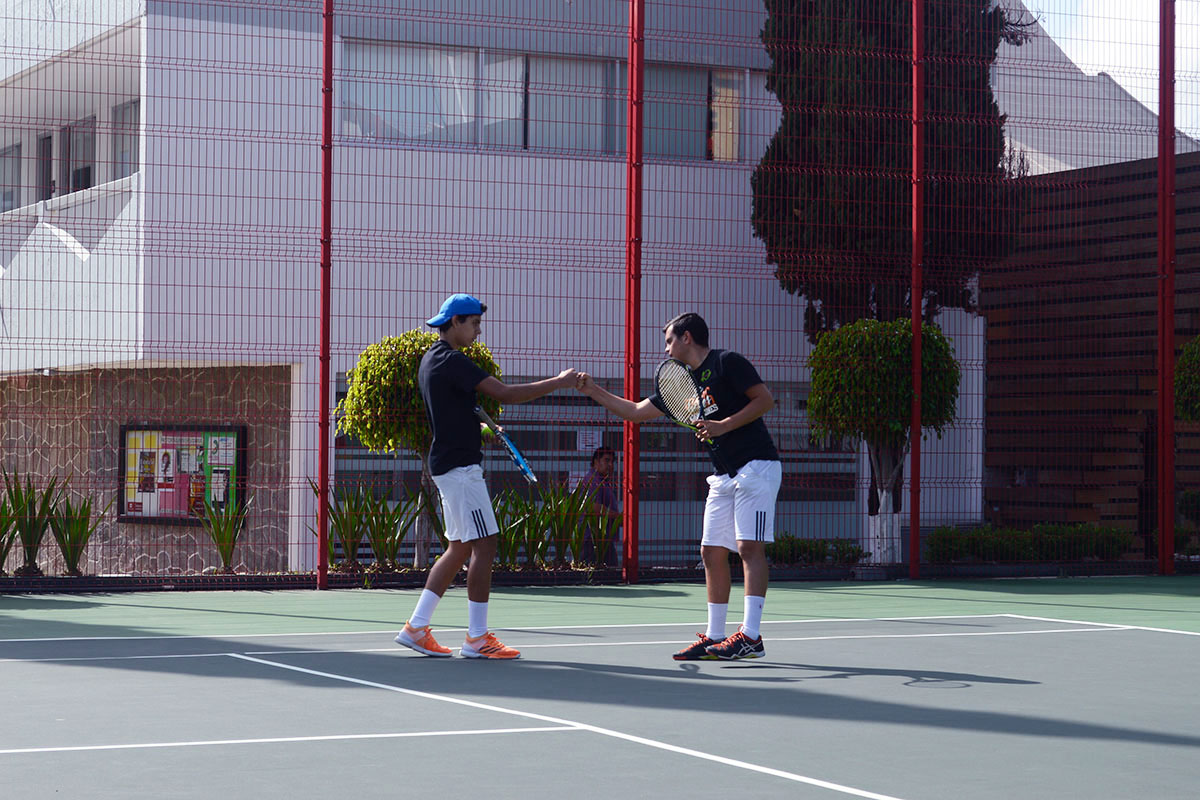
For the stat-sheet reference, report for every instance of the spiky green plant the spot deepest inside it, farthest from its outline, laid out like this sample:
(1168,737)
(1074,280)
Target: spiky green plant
(72,526)
(8,534)
(604,530)
(346,512)
(513,516)
(31,510)
(224,526)
(563,510)
(386,525)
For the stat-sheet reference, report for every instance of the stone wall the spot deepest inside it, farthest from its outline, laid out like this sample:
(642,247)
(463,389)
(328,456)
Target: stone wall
(69,426)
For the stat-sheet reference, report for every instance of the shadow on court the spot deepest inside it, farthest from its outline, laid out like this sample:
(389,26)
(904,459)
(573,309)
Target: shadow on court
(765,688)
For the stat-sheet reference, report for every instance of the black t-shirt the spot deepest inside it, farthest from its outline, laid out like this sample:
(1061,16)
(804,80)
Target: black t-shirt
(448,379)
(724,377)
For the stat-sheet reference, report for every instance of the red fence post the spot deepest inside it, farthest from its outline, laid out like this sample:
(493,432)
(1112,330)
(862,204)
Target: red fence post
(918,253)
(326,266)
(633,280)
(1166,288)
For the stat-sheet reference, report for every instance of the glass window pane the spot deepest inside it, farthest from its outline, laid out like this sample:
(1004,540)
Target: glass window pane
(502,91)
(726,115)
(405,92)
(125,139)
(10,177)
(567,100)
(83,154)
(676,120)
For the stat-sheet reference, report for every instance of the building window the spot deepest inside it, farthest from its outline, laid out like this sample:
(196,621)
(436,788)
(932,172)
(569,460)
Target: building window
(551,104)
(409,93)
(78,156)
(45,167)
(575,106)
(10,177)
(126,125)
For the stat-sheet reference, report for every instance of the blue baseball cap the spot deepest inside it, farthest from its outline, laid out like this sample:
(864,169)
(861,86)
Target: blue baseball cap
(456,305)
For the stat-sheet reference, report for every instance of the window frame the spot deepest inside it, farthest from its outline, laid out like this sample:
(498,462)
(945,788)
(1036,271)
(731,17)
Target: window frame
(11,185)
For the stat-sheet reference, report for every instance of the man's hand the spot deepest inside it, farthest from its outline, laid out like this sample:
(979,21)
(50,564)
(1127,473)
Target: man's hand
(567,378)
(584,382)
(712,428)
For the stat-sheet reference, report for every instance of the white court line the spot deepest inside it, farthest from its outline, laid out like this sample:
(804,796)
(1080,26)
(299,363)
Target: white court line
(334,738)
(836,787)
(528,646)
(518,628)
(1104,625)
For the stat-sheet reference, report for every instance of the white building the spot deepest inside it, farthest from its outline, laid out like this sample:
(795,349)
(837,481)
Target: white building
(160,219)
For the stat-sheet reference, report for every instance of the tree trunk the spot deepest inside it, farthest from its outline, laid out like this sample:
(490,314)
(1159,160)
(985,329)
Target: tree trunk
(883,525)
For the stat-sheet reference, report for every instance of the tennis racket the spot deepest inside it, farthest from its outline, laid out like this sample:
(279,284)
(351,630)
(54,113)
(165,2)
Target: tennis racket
(513,452)
(680,393)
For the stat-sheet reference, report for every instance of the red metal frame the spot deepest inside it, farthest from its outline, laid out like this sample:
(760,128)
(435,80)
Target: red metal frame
(633,279)
(918,254)
(326,265)
(1166,288)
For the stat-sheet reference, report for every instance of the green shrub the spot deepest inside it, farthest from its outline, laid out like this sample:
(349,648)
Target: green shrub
(788,550)
(846,552)
(73,527)
(31,511)
(386,525)
(1189,506)
(224,525)
(1044,542)
(8,534)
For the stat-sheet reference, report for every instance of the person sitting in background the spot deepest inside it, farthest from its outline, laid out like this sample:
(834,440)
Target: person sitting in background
(599,480)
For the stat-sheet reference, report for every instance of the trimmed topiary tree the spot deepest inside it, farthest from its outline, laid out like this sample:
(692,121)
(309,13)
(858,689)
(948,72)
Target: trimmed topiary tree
(383,408)
(1187,382)
(862,389)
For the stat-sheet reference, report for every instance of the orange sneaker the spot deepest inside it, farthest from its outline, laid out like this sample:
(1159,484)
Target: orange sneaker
(488,646)
(421,640)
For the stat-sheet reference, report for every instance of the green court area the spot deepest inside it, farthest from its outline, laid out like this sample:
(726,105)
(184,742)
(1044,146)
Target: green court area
(1157,602)
(989,690)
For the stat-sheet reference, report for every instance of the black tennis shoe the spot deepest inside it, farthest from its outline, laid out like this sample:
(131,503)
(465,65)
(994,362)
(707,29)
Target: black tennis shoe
(697,650)
(737,646)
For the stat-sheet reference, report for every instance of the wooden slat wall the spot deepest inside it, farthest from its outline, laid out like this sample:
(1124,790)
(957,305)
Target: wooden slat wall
(1071,340)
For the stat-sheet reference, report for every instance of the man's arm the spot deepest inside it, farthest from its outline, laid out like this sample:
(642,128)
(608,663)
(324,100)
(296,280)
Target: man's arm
(524,392)
(625,409)
(761,401)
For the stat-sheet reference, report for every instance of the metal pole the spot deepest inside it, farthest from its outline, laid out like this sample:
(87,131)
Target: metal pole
(326,266)
(633,279)
(1166,288)
(918,254)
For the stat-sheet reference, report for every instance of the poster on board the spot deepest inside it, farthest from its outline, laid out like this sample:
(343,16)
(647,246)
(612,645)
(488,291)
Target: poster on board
(172,471)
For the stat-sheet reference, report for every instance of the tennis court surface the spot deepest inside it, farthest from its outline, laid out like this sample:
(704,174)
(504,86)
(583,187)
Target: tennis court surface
(1076,688)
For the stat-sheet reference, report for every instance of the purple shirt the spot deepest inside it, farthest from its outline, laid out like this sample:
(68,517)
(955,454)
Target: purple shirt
(602,490)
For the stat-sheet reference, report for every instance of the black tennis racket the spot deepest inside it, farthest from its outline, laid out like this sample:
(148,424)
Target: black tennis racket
(681,394)
(513,452)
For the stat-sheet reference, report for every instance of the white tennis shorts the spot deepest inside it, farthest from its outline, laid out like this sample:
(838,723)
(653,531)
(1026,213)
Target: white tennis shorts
(466,506)
(741,508)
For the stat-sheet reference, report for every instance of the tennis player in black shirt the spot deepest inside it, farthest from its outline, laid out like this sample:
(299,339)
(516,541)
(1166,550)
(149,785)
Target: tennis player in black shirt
(449,382)
(739,514)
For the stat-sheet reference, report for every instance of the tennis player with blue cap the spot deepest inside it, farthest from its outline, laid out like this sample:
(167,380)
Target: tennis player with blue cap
(449,381)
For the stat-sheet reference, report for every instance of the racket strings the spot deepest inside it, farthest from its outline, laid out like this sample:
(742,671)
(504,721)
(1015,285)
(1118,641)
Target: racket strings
(678,392)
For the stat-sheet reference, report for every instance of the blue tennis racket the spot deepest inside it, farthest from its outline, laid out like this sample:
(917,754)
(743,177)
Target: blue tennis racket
(513,452)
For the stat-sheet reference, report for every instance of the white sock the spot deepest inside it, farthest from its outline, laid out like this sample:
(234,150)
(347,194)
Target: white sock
(716,621)
(476,619)
(424,610)
(752,619)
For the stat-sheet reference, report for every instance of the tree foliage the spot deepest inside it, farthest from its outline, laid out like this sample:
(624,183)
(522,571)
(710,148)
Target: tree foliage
(833,192)
(1187,382)
(862,389)
(383,407)
(862,384)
